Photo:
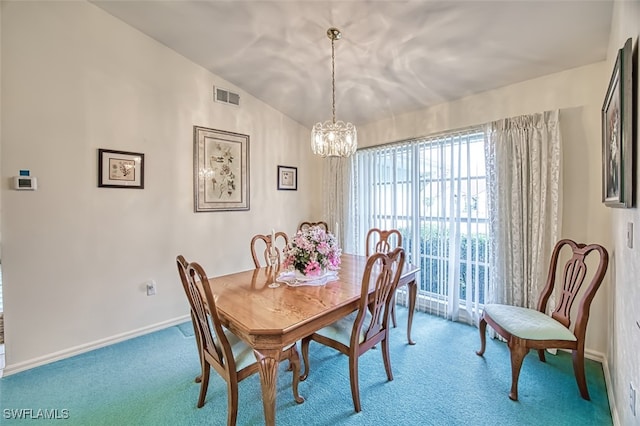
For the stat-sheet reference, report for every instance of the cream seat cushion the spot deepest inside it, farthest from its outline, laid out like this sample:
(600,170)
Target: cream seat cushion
(340,330)
(528,323)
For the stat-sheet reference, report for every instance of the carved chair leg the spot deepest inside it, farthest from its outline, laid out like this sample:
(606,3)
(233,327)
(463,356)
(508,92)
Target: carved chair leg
(290,366)
(578,369)
(305,357)
(541,355)
(204,383)
(355,386)
(294,365)
(386,358)
(483,338)
(202,366)
(232,402)
(518,351)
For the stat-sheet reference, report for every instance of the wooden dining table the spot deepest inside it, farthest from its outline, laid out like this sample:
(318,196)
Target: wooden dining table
(269,319)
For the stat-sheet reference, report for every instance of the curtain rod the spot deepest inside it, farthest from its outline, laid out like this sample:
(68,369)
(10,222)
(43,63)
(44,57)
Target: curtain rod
(448,133)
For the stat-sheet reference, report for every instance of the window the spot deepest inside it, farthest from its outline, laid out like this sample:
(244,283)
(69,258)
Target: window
(434,191)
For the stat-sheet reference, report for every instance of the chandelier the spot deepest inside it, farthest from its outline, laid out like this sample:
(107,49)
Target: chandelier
(334,138)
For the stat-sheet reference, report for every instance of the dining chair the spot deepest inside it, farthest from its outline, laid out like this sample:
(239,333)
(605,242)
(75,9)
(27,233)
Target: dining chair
(526,329)
(368,326)
(218,347)
(264,242)
(306,225)
(383,241)
(182,271)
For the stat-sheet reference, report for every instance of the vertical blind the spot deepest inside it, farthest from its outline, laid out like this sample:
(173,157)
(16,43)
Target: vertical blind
(433,190)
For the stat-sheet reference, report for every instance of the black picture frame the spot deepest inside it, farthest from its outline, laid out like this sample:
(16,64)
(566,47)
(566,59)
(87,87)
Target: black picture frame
(287,178)
(120,169)
(617,133)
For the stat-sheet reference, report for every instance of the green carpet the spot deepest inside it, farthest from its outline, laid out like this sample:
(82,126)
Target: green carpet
(440,381)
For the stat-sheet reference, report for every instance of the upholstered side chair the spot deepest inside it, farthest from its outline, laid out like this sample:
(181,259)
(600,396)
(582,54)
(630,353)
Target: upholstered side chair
(526,329)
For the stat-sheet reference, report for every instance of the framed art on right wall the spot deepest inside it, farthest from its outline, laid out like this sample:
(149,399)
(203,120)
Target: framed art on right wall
(287,178)
(617,133)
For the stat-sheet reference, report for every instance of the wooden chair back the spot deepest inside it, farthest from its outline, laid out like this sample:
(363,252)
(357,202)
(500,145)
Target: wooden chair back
(261,246)
(573,277)
(182,272)
(382,241)
(214,346)
(375,306)
(306,225)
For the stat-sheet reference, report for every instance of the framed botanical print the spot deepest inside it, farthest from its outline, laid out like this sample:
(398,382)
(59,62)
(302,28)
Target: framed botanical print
(120,169)
(287,178)
(220,170)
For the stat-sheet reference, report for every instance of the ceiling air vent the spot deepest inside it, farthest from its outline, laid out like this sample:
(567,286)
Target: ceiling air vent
(225,96)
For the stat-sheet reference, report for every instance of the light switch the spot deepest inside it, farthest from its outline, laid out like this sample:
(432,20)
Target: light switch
(630,234)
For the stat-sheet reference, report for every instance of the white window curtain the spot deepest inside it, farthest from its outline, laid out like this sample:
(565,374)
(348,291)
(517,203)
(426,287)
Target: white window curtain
(523,157)
(434,191)
(335,187)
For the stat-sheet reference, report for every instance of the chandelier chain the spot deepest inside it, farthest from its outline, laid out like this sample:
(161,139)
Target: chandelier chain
(333,79)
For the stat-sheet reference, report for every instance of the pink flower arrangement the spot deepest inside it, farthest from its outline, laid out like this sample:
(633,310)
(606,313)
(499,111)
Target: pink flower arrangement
(312,252)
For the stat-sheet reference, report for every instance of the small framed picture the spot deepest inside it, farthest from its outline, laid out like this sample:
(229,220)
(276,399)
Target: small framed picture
(120,169)
(287,178)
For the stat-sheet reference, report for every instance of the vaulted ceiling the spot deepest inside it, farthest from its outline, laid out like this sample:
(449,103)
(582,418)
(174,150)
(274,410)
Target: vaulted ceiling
(394,56)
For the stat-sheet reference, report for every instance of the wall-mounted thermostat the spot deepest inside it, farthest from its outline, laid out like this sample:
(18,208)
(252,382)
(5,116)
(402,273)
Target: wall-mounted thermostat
(29,183)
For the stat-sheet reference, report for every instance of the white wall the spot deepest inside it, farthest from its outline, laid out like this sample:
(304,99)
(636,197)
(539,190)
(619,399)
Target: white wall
(1,299)
(0,141)
(624,321)
(75,256)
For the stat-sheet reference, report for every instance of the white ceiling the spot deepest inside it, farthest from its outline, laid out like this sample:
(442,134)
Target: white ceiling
(394,56)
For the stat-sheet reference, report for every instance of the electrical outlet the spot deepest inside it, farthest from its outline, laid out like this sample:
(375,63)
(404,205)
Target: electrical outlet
(632,399)
(151,288)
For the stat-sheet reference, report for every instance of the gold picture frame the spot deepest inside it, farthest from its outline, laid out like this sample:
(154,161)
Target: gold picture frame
(220,170)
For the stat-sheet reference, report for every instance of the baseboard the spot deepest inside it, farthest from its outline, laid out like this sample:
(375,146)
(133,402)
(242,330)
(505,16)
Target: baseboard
(602,359)
(77,350)
(610,393)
